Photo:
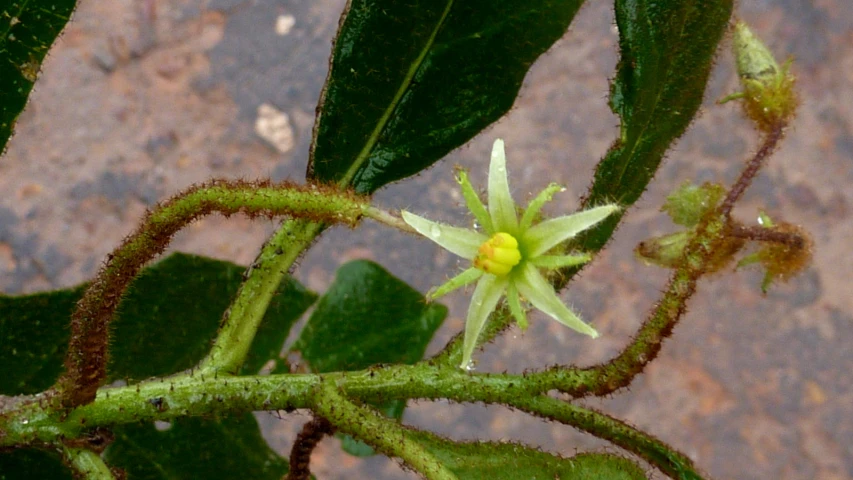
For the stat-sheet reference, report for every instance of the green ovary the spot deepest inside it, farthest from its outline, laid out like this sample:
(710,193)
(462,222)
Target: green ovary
(498,255)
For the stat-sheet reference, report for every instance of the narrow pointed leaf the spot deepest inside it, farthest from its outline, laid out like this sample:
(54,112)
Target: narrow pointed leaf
(461,241)
(411,81)
(667,50)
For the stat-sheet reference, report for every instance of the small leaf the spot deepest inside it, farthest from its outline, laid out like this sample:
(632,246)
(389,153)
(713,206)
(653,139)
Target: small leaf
(666,52)
(172,313)
(511,461)
(689,203)
(34,333)
(189,447)
(411,81)
(165,324)
(367,317)
(27,30)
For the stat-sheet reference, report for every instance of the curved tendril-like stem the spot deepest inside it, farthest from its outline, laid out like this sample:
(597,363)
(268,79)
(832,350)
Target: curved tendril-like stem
(382,433)
(86,360)
(306,441)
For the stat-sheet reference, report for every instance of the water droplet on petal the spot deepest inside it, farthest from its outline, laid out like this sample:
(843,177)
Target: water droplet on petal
(501,170)
(435,231)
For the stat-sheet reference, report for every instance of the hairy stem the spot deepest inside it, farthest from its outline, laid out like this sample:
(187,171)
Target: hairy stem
(763,234)
(768,145)
(671,462)
(246,312)
(307,439)
(382,433)
(86,360)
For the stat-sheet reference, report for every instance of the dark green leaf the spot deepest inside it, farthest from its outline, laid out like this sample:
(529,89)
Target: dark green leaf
(27,30)
(172,312)
(165,324)
(33,339)
(410,81)
(191,448)
(30,464)
(511,461)
(667,50)
(367,317)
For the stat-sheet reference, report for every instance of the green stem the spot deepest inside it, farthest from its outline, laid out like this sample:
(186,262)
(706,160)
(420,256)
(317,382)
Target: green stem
(382,433)
(246,312)
(671,462)
(87,464)
(86,360)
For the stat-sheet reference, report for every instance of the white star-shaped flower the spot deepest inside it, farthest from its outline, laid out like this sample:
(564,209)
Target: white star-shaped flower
(509,254)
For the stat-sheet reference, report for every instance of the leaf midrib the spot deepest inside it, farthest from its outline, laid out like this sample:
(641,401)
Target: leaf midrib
(365,152)
(647,124)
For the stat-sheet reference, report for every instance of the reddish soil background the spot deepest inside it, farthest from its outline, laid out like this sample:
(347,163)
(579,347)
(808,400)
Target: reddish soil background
(140,99)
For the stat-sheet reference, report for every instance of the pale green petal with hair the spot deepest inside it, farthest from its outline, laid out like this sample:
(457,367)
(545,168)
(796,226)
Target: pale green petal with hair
(546,235)
(486,296)
(465,278)
(541,294)
(461,241)
(501,206)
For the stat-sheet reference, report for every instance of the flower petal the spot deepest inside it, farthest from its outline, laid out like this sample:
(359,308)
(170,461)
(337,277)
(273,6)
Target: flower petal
(464,278)
(475,205)
(483,302)
(515,306)
(461,241)
(544,236)
(501,205)
(559,261)
(535,205)
(541,294)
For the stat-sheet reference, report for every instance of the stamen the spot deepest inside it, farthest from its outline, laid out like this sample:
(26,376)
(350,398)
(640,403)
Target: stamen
(498,255)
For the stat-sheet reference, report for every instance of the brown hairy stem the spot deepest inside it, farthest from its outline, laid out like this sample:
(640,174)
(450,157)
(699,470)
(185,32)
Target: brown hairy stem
(86,360)
(771,140)
(306,441)
(763,234)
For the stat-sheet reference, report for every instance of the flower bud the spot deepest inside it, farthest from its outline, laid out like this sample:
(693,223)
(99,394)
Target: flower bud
(769,97)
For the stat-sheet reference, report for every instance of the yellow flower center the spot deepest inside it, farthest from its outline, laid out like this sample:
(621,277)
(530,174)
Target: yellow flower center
(498,254)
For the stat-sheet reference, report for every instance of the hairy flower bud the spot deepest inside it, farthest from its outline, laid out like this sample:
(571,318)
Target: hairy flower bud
(768,88)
